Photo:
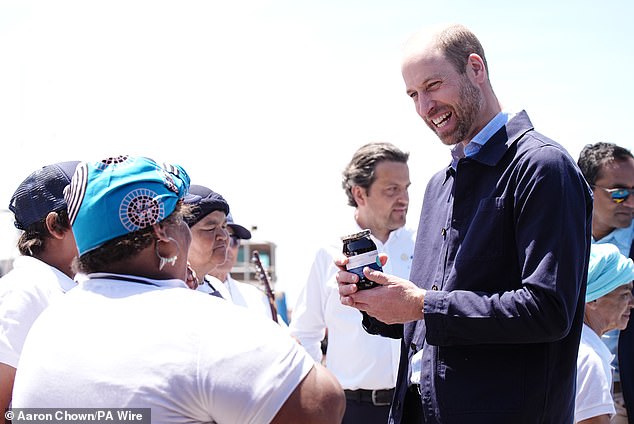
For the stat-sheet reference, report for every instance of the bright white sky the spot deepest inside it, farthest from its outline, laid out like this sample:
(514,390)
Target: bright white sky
(265,101)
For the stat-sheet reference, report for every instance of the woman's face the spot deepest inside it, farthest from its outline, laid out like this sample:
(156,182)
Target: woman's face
(209,243)
(615,307)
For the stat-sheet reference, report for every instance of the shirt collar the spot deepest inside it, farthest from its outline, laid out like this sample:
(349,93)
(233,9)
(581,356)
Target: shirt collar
(394,234)
(621,237)
(136,279)
(459,151)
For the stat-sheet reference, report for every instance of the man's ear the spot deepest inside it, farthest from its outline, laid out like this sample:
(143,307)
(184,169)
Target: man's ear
(54,228)
(359,194)
(476,68)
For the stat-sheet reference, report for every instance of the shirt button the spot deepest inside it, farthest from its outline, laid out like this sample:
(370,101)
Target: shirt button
(434,287)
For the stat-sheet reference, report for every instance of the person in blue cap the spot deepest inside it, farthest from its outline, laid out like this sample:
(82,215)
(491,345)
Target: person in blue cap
(129,335)
(42,272)
(609,302)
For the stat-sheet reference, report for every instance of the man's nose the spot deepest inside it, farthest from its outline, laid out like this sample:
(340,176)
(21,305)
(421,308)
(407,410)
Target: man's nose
(424,104)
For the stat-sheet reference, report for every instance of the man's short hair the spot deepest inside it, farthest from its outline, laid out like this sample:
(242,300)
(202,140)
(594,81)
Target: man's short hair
(457,42)
(594,156)
(361,169)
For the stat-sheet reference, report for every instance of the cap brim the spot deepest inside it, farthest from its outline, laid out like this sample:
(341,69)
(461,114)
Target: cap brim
(240,231)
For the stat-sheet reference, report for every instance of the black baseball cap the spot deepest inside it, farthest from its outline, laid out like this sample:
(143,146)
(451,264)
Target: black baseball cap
(40,193)
(205,201)
(238,230)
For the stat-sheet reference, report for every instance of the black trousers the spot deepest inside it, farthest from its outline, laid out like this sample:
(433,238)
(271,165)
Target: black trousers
(365,413)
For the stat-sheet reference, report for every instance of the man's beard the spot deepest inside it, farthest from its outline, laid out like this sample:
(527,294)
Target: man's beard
(465,113)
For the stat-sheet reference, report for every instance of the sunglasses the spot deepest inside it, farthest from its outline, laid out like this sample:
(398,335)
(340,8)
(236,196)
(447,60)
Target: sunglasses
(618,195)
(234,241)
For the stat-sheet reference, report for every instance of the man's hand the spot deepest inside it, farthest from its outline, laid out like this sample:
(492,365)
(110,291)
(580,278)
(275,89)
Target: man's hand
(396,301)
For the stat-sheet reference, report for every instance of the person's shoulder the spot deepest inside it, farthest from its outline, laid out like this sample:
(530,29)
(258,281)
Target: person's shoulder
(204,305)
(30,275)
(536,145)
(521,129)
(592,350)
(327,250)
(537,156)
(247,289)
(587,352)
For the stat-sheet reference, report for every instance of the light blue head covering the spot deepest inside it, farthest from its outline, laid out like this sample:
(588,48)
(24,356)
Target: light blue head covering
(120,195)
(607,270)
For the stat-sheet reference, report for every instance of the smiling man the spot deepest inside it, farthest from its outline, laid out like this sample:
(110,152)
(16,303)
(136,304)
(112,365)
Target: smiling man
(493,307)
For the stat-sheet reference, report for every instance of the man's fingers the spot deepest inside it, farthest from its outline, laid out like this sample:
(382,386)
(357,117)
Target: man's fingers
(346,301)
(347,288)
(376,276)
(341,262)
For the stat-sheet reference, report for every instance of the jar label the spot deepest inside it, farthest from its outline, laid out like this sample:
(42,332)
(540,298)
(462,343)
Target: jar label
(364,259)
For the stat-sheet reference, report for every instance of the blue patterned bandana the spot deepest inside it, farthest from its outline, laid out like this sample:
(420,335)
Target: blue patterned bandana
(120,195)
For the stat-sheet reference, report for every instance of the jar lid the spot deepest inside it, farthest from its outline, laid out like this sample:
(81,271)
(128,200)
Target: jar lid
(358,235)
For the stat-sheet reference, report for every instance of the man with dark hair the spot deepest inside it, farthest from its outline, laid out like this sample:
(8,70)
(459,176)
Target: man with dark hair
(493,307)
(376,182)
(43,272)
(609,169)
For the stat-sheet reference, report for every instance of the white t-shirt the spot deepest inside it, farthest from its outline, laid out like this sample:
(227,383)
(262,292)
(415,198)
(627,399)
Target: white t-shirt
(358,360)
(594,377)
(25,292)
(139,344)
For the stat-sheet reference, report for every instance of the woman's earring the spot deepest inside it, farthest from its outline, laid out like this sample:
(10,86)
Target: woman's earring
(163,260)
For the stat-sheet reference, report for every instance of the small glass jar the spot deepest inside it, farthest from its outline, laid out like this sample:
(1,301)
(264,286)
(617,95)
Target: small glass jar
(361,252)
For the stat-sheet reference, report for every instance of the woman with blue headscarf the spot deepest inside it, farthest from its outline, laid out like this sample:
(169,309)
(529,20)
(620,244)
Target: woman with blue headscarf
(132,334)
(608,303)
